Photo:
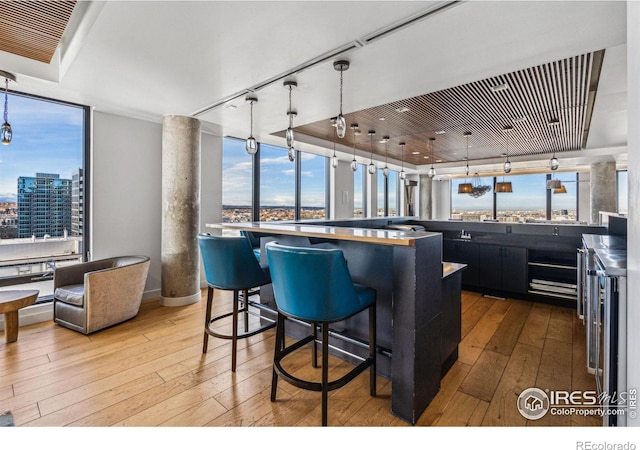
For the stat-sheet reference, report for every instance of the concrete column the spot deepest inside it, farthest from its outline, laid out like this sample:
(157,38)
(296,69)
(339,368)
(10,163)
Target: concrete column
(603,189)
(180,255)
(426,202)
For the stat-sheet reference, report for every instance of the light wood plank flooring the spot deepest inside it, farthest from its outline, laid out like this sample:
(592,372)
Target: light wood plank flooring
(150,371)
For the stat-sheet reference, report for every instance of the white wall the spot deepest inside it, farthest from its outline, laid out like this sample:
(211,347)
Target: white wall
(125,192)
(441,197)
(584,197)
(633,240)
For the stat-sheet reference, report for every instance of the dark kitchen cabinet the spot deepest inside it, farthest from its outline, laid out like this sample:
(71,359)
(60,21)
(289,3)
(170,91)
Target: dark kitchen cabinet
(465,253)
(503,268)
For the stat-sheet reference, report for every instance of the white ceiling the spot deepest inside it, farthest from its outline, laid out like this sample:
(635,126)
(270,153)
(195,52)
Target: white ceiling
(147,59)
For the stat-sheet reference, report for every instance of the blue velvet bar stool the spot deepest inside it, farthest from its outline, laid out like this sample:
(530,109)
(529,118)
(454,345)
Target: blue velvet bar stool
(314,286)
(230,264)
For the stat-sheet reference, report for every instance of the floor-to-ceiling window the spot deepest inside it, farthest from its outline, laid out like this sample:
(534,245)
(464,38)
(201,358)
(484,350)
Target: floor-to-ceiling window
(43,191)
(387,194)
(564,201)
(470,208)
(237,192)
(622,190)
(393,193)
(527,202)
(358,191)
(313,177)
(277,184)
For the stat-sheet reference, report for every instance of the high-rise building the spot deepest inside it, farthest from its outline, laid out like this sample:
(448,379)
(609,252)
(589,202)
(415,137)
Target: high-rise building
(77,202)
(44,205)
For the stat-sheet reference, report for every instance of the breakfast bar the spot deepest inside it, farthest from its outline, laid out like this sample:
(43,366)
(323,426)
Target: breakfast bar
(418,300)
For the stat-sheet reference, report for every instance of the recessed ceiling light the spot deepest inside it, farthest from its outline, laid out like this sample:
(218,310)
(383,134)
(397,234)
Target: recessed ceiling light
(499,87)
(440,132)
(231,106)
(520,119)
(503,154)
(402,109)
(553,122)
(415,153)
(425,157)
(381,118)
(438,160)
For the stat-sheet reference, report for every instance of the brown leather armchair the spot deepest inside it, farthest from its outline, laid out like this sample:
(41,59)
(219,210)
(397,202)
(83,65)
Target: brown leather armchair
(94,295)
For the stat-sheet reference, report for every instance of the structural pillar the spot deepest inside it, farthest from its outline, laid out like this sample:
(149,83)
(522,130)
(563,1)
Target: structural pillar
(180,256)
(603,189)
(426,202)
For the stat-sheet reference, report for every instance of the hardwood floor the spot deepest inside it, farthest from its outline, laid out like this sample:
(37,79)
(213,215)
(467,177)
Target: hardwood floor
(150,371)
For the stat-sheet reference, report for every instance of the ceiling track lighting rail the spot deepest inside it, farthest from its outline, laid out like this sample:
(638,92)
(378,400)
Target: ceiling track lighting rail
(331,54)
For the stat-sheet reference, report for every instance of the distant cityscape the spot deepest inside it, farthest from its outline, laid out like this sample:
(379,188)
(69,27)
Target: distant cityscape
(514,216)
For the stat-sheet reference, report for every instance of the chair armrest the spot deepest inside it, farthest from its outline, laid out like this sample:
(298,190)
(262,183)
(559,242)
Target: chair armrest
(74,274)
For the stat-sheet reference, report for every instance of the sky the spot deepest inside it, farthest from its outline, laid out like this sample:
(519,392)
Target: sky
(47,137)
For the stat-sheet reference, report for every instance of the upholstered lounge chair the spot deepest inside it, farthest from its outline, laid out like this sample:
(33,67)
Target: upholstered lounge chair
(94,295)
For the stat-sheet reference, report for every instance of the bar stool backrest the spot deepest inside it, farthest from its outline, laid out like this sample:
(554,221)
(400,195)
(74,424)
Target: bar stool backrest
(229,263)
(312,284)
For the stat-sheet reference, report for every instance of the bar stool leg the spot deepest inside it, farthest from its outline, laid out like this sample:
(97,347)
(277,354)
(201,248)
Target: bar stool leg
(234,331)
(245,305)
(325,371)
(314,348)
(372,349)
(207,319)
(278,348)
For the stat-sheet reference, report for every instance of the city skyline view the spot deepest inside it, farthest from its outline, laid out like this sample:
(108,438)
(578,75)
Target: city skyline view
(47,137)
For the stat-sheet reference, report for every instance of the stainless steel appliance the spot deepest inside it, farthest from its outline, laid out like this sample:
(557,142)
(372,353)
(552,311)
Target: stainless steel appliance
(605,301)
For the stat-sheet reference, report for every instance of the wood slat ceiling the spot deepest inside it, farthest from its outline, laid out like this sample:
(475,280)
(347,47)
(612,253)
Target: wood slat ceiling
(561,91)
(33,29)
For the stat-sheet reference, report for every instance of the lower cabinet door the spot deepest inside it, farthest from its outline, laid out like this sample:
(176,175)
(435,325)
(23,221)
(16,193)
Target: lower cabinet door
(514,269)
(490,267)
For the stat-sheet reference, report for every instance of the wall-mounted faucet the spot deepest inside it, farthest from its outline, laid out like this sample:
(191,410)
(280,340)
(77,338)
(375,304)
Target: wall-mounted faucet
(464,235)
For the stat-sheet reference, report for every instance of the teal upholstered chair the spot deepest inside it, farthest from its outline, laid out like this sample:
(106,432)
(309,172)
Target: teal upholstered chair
(314,286)
(230,264)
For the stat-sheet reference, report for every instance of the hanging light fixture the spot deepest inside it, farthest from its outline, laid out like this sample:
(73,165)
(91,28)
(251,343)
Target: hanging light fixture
(354,163)
(479,189)
(553,162)
(5,132)
(507,163)
(385,171)
(251,145)
(561,190)
(432,170)
(291,113)
(504,186)
(554,184)
(341,123)
(372,166)
(466,187)
(334,158)
(403,175)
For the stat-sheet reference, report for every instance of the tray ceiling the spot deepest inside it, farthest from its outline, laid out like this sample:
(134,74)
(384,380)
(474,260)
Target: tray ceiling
(549,107)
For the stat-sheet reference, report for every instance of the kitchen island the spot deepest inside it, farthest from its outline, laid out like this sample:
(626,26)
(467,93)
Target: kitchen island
(418,301)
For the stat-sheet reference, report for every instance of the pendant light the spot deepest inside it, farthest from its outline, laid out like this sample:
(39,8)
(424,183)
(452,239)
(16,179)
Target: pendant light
(507,163)
(354,163)
(432,170)
(251,145)
(372,166)
(466,187)
(385,171)
(5,132)
(506,186)
(291,113)
(341,123)
(403,175)
(561,190)
(334,158)
(553,162)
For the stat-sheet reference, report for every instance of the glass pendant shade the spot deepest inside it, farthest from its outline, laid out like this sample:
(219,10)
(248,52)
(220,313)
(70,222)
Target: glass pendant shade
(289,136)
(291,154)
(341,126)
(507,166)
(403,174)
(465,188)
(251,145)
(6,133)
(372,168)
(385,172)
(554,163)
(432,172)
(334,161)
(354,165)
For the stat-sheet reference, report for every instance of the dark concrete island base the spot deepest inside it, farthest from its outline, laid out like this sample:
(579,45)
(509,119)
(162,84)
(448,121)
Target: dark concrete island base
(418,302)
